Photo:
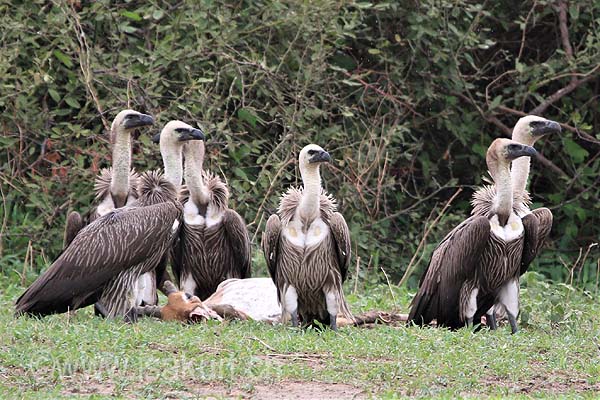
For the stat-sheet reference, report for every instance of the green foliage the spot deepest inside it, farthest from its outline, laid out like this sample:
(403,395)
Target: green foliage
(406,95)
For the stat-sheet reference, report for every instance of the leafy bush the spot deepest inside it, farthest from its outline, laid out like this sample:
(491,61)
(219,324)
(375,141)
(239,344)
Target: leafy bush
(406,95)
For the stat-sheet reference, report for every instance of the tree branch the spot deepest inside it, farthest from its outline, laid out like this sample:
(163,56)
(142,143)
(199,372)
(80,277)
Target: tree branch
(560,93)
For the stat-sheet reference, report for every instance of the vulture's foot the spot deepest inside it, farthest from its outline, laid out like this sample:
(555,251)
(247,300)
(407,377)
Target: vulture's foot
(148,311)
(295,321)
(513,323)
(490,320)
(131,317)
(100,310)
(333,322)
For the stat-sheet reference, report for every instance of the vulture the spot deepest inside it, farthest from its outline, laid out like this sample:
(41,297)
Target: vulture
(104,261)
(527,131)
(213,244)
(481,255)
(116,186)
(307,248)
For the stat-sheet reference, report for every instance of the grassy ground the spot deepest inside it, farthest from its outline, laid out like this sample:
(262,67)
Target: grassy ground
(557,352)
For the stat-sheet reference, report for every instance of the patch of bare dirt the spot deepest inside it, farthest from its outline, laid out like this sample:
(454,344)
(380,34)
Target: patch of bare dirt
(308,390)
(284,390)
(556,384)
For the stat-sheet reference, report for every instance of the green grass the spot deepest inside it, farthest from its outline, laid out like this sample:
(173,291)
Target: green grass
(557,352)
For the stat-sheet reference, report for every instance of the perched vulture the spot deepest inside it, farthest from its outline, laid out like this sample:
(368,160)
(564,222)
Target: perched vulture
(527,131)
(105,260)
(480,256)
(213,244)
(307,248)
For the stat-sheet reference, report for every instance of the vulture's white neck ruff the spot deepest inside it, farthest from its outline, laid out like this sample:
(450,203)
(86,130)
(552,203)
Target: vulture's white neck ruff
(121,158)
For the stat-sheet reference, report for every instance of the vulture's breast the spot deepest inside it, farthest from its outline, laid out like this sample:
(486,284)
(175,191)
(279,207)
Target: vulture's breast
(511,231)
(192,216)
(304,238)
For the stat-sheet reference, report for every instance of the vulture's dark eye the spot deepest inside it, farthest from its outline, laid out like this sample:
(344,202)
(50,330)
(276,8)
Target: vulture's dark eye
(535,124)
(181,130)
(311,152)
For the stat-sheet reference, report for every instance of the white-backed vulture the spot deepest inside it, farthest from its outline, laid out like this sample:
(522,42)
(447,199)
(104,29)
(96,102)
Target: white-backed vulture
(105,260)
(115,186)
(479,256)
(213,244)
(307,248)
(538,222)
(172,140)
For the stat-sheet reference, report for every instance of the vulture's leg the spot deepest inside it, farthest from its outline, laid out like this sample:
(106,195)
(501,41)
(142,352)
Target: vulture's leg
(100,310)
(290,304)
(468,302)
(148,311)
(131,316)
(490,319)
(513,323)
(509,298)
(295,320)
(332,308)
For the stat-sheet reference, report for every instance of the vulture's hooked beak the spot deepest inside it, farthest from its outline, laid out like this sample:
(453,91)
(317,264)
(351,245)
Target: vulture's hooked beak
(138,120)
(190,134)
(520,150)
(540,128)
(321,156)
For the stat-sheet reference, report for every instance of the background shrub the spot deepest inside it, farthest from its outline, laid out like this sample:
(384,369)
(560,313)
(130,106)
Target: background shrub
(406,95)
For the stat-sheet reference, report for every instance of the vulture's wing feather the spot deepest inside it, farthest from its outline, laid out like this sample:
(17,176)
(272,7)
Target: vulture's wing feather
(109,245)
(239,240)
(72,227)
(452,263)
(341,237)
(270,243)
(537,226)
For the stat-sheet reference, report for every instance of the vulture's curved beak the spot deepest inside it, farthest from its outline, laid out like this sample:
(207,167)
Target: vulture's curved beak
(321,156)
(191,134)
(135,121)
(540,128)
(520,150)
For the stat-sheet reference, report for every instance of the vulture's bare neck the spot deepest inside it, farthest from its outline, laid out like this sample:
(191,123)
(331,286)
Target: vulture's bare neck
(173,162)
(308,210)
(520,167)
(503,202)
(194,160)
(121,158)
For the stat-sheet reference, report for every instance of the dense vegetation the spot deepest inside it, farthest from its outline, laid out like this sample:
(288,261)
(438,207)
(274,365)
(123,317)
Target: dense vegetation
(406,95)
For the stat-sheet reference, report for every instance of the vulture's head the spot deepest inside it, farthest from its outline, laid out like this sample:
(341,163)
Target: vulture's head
(530,128)
(502,151)
(177,132)
(313,155)
(130,119)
